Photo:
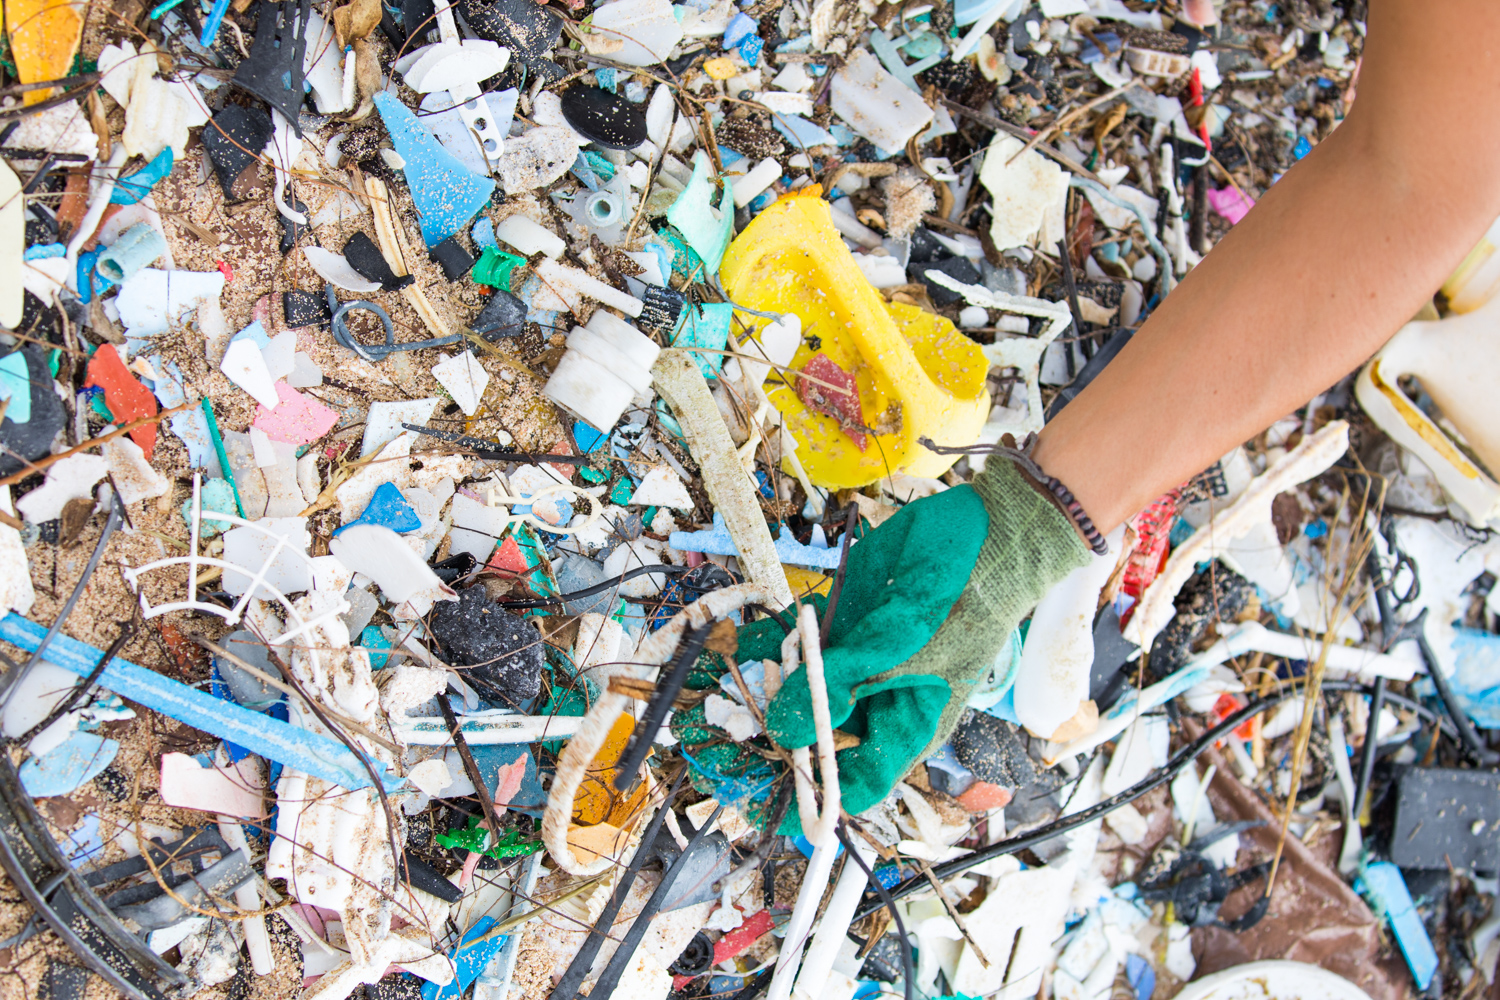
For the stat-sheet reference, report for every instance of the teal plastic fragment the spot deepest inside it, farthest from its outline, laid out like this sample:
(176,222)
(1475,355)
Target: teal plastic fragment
(218,440)
(133,187)
(372,639)
(15,385)
(448,194)
(1382,884)
(685,260)
(136,247)
(217,497)
(706,227)
(603,169)
(705,326)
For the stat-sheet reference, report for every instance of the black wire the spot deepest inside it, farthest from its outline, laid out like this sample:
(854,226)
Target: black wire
(614,581)
(667,686)
(909,976)
(1065,824)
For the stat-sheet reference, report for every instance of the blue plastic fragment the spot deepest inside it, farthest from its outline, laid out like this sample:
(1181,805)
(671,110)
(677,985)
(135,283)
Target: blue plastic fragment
(806,846)
(750,50)
(136,247)
(1140,975)
(255,333)
(603,169)
(63,768)
(584,171)
(372,639)
(530,798)
(1383,886)
(302,749)
(448,194)
(1476,675)
(706,326)
(729,157)
(84,842)
(803,133)
(604,76)
(15,385)
(712,541)
(740,27)
(588,438)
(473,954)
(888,875)
(483,232)
(133,187)
(969,11)
(43,251)
(389,509)
(212,23)
(191,426)
(794,553)
(1302,148)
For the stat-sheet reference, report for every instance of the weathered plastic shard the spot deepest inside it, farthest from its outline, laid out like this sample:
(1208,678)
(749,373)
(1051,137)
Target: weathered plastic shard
(249,549)
(564,287)
(16,593)
(1030,194)
(124,394)
(605,119)
(160,112)
(274,71)
(383,423)
(503,316)
(876,104)
(43,36)
(606,366)
(447,193)
(502,650)
(648,28)
(536,158)
(401,575)
(335,269)
(917,376)
(321,67)
(220,879)
(389,509)
(135,477)
(72,478)
(1386,888)
(662,487)
(134,186)
(138,246)
(529,30)
(452,65)
(706,227)
(231,791)
(291,745)
(464,378)
(246,368)
(12,248)
(154,299)
(529,236)
(62,769)
(1310,458)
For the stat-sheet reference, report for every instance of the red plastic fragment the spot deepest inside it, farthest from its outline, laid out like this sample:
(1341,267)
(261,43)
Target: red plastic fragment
(1153,529)
(835,394)
(508,558)
(982,796)
(126,398)
(225,270)
(755,927)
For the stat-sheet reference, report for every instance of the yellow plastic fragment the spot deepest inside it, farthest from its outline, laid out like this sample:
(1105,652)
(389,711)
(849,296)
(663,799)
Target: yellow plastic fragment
(806,582)
(43,36)
(597,800)
(917,376)
(720,68)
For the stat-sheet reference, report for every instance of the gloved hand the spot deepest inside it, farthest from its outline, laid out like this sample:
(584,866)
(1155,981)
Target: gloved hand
(930,598)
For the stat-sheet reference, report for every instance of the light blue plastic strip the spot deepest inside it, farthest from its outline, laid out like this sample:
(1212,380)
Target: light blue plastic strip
(1383,882)
(293,746)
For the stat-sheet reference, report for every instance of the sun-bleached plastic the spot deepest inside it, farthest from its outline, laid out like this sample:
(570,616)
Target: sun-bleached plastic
(607,364)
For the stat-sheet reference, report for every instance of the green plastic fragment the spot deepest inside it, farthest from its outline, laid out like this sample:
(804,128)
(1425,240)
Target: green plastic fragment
(706,326)
(218,440)
(684,260)
(601,167)
(592,475)
(620,495)
(473,839)
(493,268)
(706,227)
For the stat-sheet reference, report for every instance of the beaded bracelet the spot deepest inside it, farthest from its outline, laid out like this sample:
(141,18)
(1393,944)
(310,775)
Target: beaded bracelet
(1064,497)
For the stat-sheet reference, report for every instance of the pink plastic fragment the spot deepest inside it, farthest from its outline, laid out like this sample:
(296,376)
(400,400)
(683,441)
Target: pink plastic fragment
(231,791)
(1231,203)
(835,393)
(297,419)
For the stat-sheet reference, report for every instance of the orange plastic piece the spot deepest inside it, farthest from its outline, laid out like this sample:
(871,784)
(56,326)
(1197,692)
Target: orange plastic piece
(917,376)
(44,36)
(597,800)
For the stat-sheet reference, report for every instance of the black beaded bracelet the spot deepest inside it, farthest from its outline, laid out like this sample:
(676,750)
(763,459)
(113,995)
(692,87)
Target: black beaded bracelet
(1072,509)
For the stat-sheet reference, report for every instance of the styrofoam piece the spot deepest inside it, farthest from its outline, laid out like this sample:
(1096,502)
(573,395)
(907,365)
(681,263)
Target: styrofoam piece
(402,576)
(529,237)
(1052,680)
(16,591)
(246,368)
(1310,458)
(564,287)
(72,478)
(250,549)
(606,365)
(383,423)
(1030,194)
(876,104)
(536,158)
(649,29)
(153,300)
(464,378)
(335,269)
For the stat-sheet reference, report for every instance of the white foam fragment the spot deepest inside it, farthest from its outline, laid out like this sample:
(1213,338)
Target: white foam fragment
(72,478)
(662,487)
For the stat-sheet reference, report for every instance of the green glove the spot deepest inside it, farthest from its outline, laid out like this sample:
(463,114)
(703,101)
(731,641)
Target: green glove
(930,598)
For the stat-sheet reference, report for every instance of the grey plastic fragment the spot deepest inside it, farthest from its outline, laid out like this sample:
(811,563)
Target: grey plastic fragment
(164,911)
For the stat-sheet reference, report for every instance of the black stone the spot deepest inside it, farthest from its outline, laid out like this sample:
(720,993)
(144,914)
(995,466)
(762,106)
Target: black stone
(234,138)
(503,316)
(957,268)
(662,310)
(273,72)
(993,750)
(302,308)
(455,567)
(451,257)
(503,651)
(605,119)
(527,28)
(696,959)
(365,257)
(32,439)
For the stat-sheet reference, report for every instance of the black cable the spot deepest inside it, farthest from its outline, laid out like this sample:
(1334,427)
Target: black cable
(667,686)
(908,974)
(614,581)
(1065,824)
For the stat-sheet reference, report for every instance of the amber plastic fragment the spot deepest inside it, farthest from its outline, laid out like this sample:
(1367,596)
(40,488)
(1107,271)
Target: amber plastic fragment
(916,375)
(43,37)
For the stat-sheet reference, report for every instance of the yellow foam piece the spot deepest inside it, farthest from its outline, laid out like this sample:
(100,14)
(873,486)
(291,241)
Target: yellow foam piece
(917,376)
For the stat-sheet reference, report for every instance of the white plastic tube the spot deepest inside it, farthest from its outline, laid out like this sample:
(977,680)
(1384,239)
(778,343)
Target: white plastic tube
(834,927)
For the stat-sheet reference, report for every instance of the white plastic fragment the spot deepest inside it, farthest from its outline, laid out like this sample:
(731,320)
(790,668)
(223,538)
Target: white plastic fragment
(606,366)
(335,269)
(16,593)
(536,158)
(250,549)
(402,576)
(565,287)
(662,487)
(159,113)
(529,237)
(246,368)
(648,28)
(383,423)
(1030,195)
(153,300)
(761,176)
(876,104)
(72,478)
(464,378)
(135,478)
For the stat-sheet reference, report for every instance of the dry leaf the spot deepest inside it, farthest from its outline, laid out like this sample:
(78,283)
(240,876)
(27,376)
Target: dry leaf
(724,639)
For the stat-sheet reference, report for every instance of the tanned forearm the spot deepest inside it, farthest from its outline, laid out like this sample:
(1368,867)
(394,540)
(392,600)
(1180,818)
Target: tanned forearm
(1329,264)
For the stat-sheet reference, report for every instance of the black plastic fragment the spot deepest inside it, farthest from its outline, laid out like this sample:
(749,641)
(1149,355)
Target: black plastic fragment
(234,138)
(502,651)
(696,959)
(1216,593)
(291,229)
(63,982)
(606,119)
(273,72)
(993,750)
(528,29)
(451,257)
(29,441)
(662,310)
(455,567)
(365,257)
(503,316)
(300,308)
(427,878)
(1447,818)
(957,268)
(1107,677)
